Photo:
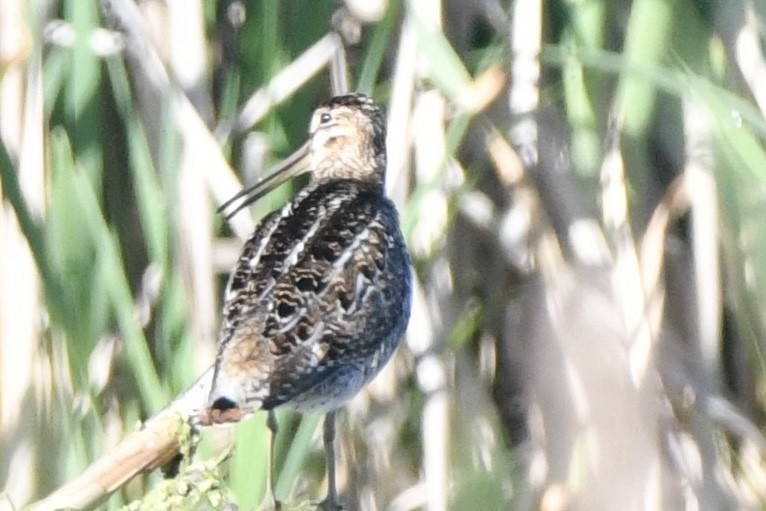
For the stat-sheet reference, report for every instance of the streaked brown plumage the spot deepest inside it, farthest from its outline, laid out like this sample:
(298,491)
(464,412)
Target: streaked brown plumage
(320,296)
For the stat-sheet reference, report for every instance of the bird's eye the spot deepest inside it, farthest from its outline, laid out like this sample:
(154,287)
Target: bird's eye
(325,118)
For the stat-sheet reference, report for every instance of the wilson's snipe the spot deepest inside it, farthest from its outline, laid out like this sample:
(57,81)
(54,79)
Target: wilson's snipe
(320,297)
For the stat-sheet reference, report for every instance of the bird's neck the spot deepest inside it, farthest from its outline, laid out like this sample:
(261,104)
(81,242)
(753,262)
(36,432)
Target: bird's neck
(368,170)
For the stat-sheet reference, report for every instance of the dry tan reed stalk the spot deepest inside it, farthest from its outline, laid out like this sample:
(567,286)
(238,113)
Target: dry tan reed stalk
(22,392)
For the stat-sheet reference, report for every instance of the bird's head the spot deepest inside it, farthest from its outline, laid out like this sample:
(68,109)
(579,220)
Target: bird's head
(347,140)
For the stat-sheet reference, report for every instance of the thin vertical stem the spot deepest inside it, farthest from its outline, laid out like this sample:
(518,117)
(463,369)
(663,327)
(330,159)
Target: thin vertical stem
(524,97)
(331,501)
(273,425)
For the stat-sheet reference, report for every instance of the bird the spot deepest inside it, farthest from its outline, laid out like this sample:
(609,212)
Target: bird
(320,297)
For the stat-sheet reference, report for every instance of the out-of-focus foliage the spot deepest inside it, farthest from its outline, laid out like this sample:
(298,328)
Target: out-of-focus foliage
(581,184)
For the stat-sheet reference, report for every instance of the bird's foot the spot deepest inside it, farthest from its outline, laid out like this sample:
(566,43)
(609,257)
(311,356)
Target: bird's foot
(329,504)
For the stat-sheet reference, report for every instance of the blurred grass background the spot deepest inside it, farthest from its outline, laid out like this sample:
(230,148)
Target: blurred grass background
(581,184)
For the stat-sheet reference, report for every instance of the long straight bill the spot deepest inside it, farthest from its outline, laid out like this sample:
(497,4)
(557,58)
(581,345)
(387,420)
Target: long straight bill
(294,165)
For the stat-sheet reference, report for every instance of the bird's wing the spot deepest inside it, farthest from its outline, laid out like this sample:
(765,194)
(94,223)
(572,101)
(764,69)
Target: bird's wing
(318,288)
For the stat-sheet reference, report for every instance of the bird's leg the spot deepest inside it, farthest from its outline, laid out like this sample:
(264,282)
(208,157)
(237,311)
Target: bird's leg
(330,503)
(271,423)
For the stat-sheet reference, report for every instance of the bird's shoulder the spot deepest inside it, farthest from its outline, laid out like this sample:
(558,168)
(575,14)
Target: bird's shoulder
(313,255)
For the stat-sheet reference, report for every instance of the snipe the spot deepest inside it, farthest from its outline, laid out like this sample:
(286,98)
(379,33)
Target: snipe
(320,296)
